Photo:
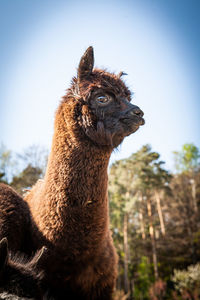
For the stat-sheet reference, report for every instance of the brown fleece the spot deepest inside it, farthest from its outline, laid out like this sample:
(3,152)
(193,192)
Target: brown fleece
(14,219)
(69,208)
(20,276)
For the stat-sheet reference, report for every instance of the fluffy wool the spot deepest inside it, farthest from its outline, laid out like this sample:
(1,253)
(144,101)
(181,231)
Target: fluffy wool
(69,209)
(15,223)
(19,276)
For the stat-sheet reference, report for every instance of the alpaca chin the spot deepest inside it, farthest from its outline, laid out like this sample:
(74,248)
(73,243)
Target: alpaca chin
(103,136)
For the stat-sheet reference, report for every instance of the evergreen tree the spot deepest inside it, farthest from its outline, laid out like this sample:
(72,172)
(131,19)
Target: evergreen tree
(26,179)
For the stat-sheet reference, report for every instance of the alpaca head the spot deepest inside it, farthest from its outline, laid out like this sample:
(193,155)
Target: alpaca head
(19,276)
(104,112)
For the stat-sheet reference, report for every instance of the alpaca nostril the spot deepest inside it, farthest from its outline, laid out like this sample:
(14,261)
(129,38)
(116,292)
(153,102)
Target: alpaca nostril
(137,111)
(140,113)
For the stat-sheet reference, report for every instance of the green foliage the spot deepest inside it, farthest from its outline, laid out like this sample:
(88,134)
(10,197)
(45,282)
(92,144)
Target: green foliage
(12,164)
(134,182)
(187,159)
(6,164)
(35,156)
(187,280)
(2,175)
(144,279)
(21,171)
(26,178)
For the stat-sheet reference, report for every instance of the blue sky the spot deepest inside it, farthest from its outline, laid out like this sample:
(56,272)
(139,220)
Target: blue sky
(156,42)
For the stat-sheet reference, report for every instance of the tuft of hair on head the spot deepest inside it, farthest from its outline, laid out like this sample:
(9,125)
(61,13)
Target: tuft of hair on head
(121,73)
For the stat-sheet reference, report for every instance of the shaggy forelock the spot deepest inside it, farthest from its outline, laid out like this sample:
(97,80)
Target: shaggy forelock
(98,79)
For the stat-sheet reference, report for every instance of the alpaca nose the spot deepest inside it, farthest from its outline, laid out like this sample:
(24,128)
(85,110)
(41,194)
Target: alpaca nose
(136,111)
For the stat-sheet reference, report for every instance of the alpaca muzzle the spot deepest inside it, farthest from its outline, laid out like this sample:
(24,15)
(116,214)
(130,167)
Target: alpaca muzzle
(132,114)
(137,114)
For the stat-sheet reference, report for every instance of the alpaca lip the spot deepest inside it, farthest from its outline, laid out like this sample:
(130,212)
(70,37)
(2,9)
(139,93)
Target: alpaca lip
(139,122)
(142,121)
(135,119)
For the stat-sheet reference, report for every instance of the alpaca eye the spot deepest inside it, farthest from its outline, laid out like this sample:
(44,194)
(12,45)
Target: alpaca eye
(103,99)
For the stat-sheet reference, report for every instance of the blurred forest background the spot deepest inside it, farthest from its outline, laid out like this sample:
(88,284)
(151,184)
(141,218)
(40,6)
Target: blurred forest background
(154,213)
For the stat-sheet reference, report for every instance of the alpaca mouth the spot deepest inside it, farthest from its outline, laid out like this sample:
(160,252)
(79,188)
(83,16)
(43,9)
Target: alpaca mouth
(133,121)
(141,121)
(131,124)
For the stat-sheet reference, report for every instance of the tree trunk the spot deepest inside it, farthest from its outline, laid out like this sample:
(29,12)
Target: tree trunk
(126,281)
(193,183)
(119,284)
(142,219)
(160,214)
(152,236)
(132,289)
(192,220)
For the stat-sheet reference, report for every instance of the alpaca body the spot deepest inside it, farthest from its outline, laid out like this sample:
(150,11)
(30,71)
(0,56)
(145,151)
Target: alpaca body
(71,209)
(68,210)
(15,223)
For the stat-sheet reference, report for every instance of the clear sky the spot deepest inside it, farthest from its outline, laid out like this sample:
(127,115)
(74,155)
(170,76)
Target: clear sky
(156,42)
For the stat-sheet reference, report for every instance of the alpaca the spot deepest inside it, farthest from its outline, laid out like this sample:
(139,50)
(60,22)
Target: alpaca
(20,277)
(70,206)
(15,221)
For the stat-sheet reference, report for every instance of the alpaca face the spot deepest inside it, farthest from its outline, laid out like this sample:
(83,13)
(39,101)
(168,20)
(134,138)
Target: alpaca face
(107,116)
(116,116)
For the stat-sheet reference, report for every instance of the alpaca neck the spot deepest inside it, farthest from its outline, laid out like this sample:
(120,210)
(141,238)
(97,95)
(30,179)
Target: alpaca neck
(72,201)
(77,169)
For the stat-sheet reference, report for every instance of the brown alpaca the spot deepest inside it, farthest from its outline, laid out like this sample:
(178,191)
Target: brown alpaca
(70,207)
(20,277)
(15,223)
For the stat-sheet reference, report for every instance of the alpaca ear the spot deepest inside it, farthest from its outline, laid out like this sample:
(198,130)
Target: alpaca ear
(3,253)
(40,257)
(86,64)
